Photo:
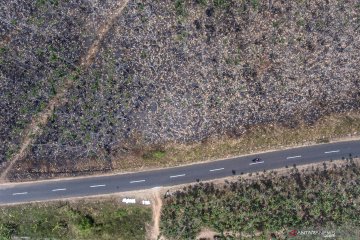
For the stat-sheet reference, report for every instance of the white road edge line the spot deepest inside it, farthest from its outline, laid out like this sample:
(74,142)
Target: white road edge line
(256,163)
(102,185)
(58,189)
(20,193)
(137,181)
(335,151)
(299,156)
(217,169)
(181,175)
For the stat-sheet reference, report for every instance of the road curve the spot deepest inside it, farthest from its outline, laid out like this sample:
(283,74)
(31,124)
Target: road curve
(94,185)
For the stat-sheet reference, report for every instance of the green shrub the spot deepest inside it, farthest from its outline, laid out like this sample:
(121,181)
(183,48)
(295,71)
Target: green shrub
(268,204)
(180,7)
(155,154)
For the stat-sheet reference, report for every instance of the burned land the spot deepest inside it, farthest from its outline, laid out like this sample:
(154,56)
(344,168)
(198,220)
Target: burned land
(167,72)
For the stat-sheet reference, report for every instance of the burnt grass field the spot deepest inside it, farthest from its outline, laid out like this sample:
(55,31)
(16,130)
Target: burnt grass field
(41,44)
(168,71)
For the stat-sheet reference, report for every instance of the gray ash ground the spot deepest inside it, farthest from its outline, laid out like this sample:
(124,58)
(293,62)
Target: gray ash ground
(183,71)
(41,43)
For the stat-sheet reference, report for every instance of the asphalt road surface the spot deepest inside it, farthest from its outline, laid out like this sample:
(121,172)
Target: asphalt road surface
(94,185)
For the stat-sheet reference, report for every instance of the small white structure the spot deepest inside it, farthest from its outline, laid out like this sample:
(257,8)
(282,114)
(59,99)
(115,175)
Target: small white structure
(145,202)
(129,200)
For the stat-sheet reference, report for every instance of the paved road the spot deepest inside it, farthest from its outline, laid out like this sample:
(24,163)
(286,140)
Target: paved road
(46,190)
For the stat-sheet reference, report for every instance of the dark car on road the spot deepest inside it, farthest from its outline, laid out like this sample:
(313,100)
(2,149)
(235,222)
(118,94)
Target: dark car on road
(256,160)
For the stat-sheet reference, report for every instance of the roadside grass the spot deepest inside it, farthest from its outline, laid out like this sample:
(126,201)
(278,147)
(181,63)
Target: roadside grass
(74,220)
(260,138)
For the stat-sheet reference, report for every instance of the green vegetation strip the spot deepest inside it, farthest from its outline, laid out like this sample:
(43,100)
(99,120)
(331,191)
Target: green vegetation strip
(81,220)
(269,205)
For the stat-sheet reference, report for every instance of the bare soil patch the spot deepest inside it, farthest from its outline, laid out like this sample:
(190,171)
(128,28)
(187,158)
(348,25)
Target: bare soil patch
(206,234)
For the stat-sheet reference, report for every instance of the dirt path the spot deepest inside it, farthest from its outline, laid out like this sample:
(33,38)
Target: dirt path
(156,208)
(34,128)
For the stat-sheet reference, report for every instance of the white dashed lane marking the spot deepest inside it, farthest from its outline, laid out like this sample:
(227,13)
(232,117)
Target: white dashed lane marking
(217,169)
(299,156)
(256,163)
(175,176)
(335,151)
(58,189)
(95,186)
(137,181)
(20,193)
